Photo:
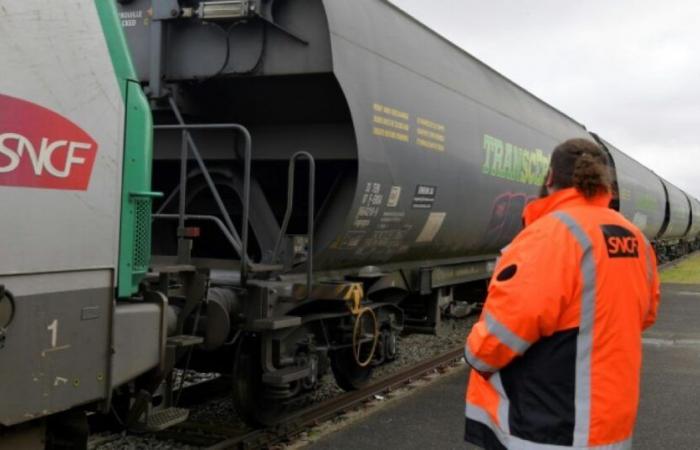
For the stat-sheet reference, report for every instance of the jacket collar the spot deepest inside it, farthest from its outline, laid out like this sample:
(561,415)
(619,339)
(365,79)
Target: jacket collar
(565,198)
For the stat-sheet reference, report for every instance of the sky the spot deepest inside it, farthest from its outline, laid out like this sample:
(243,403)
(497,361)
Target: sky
(628,70)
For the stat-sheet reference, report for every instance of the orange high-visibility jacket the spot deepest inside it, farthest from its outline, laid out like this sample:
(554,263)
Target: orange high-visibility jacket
(557,351)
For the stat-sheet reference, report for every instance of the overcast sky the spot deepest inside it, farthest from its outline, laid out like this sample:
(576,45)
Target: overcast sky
(627,69)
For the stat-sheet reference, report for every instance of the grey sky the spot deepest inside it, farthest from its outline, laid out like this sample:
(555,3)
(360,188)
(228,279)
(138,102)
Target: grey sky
(629,69)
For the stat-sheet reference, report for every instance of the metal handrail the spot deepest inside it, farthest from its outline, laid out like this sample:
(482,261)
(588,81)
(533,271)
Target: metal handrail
(310,217)
(189,144)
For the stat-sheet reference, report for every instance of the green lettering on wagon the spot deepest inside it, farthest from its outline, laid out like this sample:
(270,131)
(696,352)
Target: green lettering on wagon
(508,161)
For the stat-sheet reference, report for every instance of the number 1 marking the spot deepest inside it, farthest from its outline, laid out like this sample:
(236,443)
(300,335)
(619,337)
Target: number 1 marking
(53,328)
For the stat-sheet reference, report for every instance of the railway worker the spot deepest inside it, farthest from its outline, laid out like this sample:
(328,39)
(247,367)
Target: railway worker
(557,351)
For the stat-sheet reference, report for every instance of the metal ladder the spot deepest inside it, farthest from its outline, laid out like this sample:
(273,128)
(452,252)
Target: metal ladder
(239,242)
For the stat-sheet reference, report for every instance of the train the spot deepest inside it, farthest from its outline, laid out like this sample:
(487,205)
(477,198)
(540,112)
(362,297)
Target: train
(271,190)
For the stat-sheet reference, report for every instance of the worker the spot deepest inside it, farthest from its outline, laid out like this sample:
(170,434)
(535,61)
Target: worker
(556,354)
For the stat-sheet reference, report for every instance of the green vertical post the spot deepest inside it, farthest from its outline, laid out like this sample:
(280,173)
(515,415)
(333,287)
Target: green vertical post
(135,226)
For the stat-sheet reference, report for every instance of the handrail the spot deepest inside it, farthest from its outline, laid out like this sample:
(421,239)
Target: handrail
(310,217)
(191,145)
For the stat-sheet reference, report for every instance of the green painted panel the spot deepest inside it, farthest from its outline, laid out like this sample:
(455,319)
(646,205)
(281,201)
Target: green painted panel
(135,229)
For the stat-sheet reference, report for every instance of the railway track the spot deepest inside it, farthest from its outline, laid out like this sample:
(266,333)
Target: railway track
(216,437)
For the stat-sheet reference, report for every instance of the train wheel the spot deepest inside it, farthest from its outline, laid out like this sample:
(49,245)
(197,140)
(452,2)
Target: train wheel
(250,399)
(347,373)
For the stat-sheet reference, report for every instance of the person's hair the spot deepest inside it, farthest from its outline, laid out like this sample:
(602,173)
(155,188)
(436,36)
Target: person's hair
(581,164)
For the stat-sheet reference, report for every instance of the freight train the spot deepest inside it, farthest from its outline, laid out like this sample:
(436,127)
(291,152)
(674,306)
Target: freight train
(268,189)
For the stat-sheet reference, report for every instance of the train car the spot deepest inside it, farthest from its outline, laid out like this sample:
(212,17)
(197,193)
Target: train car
(679,213)
(641,196)
(694,231)
(672,242)
(691,241)
(266,189)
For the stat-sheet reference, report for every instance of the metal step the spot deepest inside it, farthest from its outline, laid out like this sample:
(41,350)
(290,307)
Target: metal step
(274,323)
(164,418)
(177,268)
(184,340)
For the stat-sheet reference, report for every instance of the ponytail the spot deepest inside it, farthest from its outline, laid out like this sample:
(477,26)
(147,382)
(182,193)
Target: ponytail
(590,176)
(582,164)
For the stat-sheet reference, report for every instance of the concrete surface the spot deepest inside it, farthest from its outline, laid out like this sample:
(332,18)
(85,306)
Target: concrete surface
(669,415)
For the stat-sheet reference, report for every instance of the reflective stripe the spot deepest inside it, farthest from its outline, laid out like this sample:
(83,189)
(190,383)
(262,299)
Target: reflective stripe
(650,264)
(584,342)
(650,277)
(650,267)
(476,363)
(478,414)
(498,258)
(503,402)
(507,337)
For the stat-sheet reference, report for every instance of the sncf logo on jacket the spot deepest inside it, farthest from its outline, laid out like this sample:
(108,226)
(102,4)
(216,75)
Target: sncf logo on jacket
(42,149)
(620,242)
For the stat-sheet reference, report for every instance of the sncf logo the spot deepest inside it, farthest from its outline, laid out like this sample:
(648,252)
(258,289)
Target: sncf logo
(620,241)
(42,149)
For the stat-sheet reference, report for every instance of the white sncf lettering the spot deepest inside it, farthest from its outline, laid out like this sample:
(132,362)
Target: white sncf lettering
(43,158)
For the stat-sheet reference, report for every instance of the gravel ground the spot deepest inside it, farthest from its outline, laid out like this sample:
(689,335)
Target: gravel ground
(412,349)
(129,442)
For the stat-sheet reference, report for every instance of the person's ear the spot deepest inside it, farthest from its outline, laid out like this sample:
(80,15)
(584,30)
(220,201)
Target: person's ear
(550,179)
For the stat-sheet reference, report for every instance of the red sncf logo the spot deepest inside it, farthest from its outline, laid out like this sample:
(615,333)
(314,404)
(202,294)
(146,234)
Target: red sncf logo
(620,242)
(42,149)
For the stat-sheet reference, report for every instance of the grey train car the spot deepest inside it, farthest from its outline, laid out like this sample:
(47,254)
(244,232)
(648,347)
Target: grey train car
(640,193)
(385,169)
(679,213)
(694,231)
(680,233)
